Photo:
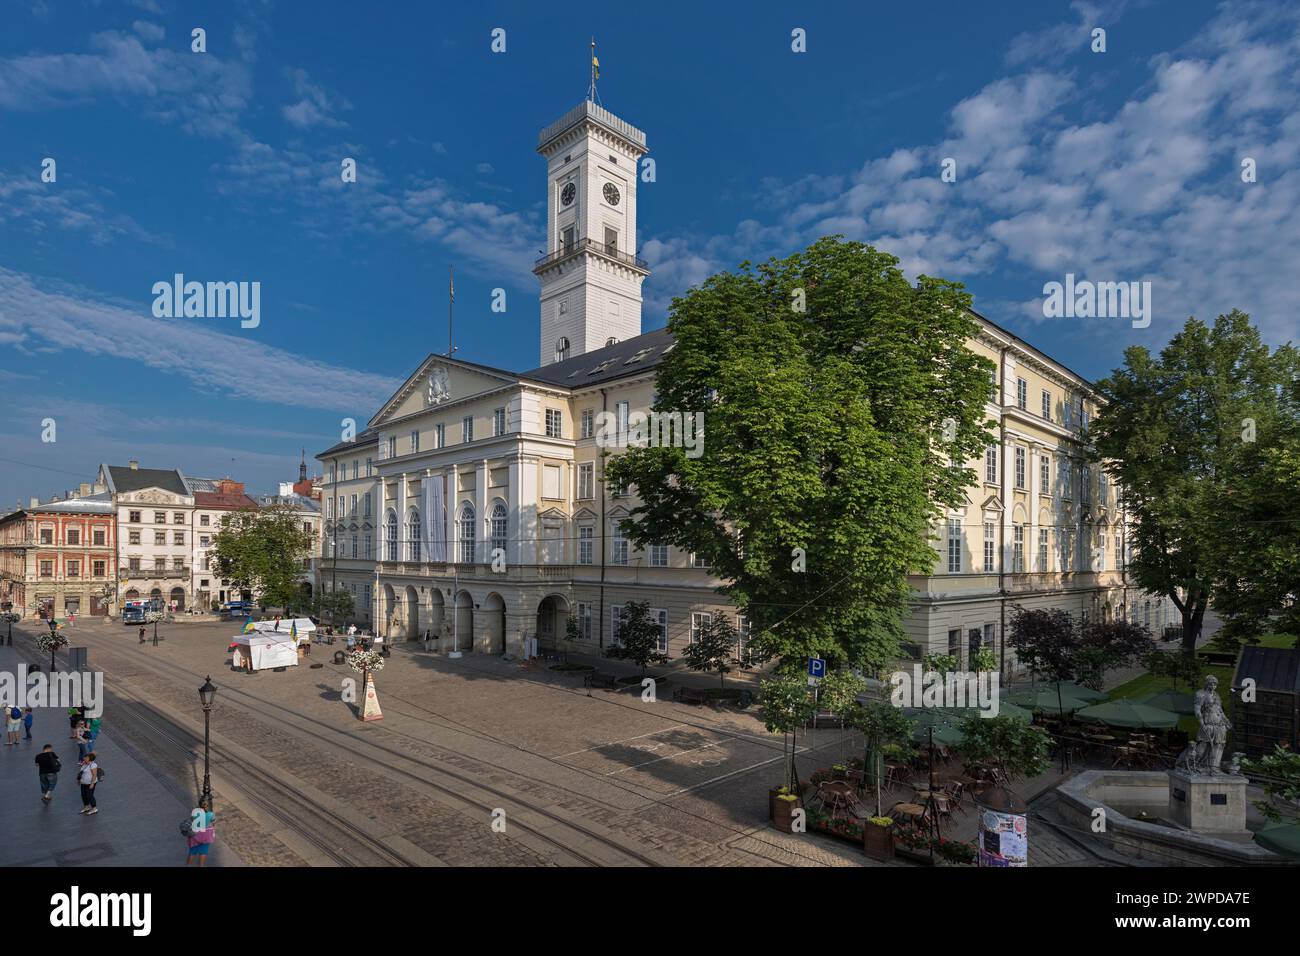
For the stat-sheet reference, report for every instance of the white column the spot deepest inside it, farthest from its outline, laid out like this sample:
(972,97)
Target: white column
(403,546)
(482,540)
(453,507)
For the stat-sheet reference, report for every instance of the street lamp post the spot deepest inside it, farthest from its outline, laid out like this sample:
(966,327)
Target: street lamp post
(54,630)
(207,693)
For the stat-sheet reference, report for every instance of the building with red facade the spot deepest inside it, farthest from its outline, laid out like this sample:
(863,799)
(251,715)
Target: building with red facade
(58,558)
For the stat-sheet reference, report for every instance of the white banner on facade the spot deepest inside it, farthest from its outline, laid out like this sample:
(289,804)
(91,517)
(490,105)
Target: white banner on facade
(435,520)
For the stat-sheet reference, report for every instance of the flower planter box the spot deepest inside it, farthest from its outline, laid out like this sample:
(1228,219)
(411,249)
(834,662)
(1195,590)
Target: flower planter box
(783,813)
(878,842)
(916,856)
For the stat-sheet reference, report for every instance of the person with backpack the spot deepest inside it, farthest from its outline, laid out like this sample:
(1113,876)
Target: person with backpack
(199,834)
(74,718)
(13,723)
(88,775)
(48,767)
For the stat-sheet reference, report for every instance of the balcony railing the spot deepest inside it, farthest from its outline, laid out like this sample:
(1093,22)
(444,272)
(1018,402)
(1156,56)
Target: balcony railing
(154,573)
(608,250)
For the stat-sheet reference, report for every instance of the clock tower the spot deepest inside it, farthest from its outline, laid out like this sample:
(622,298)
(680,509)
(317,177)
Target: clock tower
(591,276)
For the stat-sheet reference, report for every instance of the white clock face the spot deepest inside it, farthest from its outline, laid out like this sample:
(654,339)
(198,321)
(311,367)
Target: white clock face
(611,194)
(567,193)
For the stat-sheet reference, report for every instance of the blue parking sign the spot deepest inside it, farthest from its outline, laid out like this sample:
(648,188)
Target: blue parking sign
(816,667)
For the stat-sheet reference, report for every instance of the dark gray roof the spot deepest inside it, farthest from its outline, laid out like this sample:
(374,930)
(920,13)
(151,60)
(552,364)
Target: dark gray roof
(1273,668)
(134,479)
(629,357)
(367,437)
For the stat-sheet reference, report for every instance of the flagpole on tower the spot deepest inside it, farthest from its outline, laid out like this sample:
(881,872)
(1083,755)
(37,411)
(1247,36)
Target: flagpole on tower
(595,74)
(451,303)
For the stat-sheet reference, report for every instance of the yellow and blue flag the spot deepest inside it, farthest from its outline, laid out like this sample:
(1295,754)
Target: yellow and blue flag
(248,625)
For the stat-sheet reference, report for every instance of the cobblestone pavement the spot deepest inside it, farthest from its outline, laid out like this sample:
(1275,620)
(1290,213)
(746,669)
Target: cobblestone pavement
(582,776)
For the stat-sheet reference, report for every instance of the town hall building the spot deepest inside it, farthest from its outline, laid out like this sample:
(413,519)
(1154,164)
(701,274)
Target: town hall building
(472,508)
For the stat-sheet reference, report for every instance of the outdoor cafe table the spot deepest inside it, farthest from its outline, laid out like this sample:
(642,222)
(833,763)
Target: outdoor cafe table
(913,811)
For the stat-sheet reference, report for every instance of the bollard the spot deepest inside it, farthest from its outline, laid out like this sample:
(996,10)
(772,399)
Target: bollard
(339,657)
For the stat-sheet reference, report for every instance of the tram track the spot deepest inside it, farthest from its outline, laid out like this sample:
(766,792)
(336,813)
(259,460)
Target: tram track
(362,749)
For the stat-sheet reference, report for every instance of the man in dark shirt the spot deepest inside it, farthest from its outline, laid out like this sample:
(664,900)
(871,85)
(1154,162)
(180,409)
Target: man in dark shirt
(48,766)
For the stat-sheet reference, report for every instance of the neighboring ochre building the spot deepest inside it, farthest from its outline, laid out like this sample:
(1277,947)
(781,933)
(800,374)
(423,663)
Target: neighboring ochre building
(57,557)
(464,459)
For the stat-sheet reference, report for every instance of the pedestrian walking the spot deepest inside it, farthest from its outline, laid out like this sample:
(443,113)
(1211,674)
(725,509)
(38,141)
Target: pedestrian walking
(92,732)
(83,739)
(13,723)
(28,717)
(141,633)
(48,767)
(199,840)
(88,777)
(74,718)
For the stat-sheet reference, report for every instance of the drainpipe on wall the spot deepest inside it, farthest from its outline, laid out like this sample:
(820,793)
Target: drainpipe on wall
(1002,529)
(600,629)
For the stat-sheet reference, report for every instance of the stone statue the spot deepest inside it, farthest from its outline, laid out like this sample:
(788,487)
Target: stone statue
(439,386)
(1206,754)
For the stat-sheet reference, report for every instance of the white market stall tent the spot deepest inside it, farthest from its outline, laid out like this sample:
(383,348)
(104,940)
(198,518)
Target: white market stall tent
(264,651)
(301,626)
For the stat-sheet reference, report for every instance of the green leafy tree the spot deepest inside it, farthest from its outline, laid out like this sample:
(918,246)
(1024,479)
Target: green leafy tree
(985,659)
(1016,748)
(638,637)
(337,605)
(836,396)
(714,648)
(940,663)
(263,551)
(1279,774)
(1106,645)
(1180,668)
(1171,430)
(838,692)
(786,706)
(881,725)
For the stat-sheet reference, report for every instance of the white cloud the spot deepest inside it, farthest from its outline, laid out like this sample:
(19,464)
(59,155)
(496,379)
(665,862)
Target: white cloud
(314,106)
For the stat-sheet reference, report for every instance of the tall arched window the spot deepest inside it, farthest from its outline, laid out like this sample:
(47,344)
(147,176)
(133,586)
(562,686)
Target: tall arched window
(499,526)
(562,348)
(390,537)
(413,534)
(467,534)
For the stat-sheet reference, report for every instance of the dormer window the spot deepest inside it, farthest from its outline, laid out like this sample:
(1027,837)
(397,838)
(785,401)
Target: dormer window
(612,340)
(562,348)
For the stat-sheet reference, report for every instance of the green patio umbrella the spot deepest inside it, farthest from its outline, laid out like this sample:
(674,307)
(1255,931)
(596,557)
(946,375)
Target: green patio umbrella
(1282,838)
(1005,709)
(947,729)
(1127,713)
(1170,699)
(1080,692)
(1046,699)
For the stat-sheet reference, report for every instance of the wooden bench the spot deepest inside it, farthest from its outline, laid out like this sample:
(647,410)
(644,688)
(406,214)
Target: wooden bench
(597,679)
(691,695)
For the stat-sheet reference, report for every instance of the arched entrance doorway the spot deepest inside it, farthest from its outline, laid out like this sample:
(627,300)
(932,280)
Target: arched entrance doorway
(493,613)
(552,614)
(435,615)
(176,600)
(412,614)
(156,598)
(462,632)
(131,595)
(388,624)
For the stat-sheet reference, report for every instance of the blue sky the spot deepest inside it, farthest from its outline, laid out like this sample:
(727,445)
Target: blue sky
(1115,166)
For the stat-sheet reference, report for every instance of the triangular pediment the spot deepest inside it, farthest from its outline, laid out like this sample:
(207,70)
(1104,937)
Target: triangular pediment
(554,513)
(584,514)
(437,382)
(994,504)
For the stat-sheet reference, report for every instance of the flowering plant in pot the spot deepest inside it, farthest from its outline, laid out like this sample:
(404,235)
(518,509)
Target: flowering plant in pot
(878,838)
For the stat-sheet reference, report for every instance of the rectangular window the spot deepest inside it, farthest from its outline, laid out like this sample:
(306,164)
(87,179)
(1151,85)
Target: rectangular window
(954,545)
(1066,473)
(618,546)
(1044,475)
(354,546)
(1042,549)
(620,418)
(370,464)
(134,517)
(74,569)
(586,480)
(97,537)
(439,436)
(611,241)
(205,520)
(178,564)
(498,422)
(699,561)
(660,617)
(415,441)
(133,537)
(1085,484)
(658,555)
(368,552)
(47,536)
(699,621)
(586,539)
(954,643)
(990,547)
(1018,549)
(584,621)
(1101,551)
(1047,405)
(588,422)
(554,423)
(367,501)
(991,464)
(1022,393)
(134,564)
(467,428)
(98,568)
(160,517)
(74,536)
(1020,468)
(551,481)
(178,537)
(47,569)
(1119,551)
(392,446)
(1067,413)
(178,517)
(365,598)
(352,507)
(160,537)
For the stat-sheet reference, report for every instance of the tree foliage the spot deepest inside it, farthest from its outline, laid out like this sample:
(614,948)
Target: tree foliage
(836,396)
(262,550)
(638,637)
(1050,643)
(714,648)
(1195,438)
(1018,749)
(786,706)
